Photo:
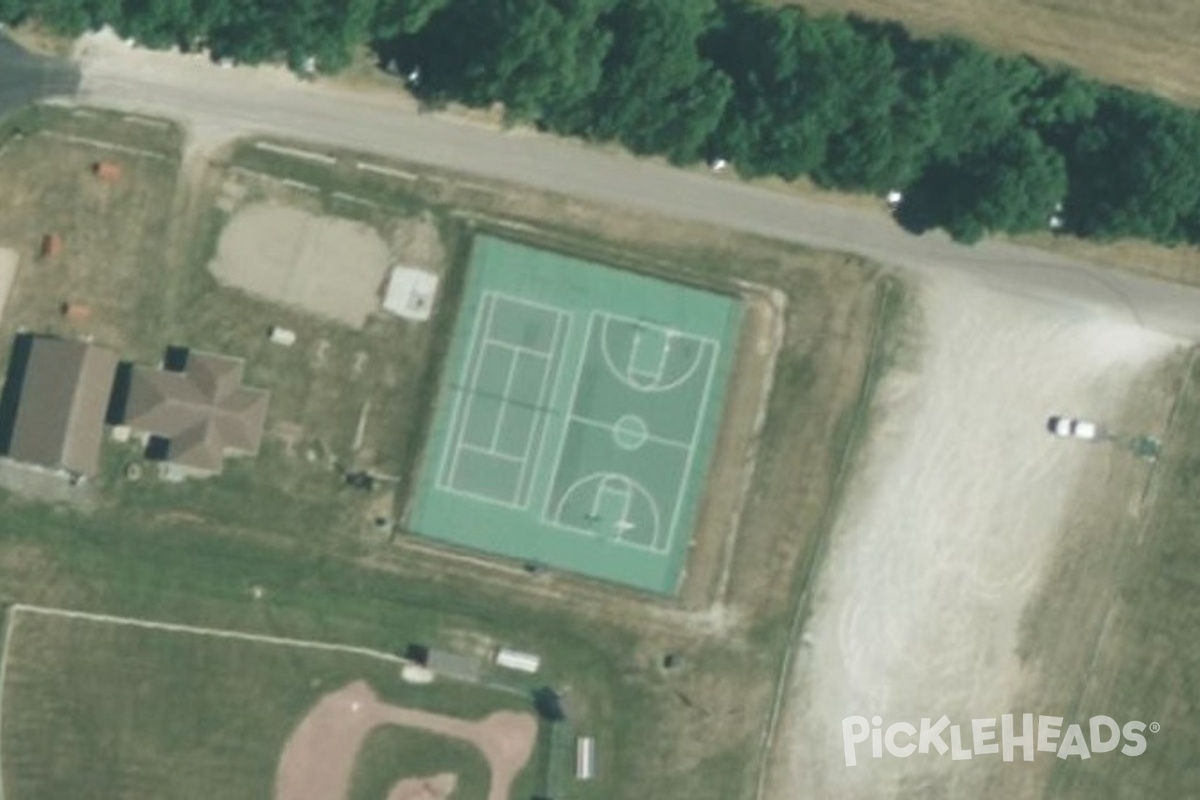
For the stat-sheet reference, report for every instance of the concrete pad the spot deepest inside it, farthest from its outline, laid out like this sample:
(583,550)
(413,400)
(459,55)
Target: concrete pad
(8,273)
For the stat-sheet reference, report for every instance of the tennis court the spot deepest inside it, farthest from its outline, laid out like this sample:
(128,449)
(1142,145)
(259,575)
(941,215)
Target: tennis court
(577,416)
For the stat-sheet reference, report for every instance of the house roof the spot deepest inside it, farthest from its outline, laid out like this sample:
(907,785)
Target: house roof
(64,394)
(202,410)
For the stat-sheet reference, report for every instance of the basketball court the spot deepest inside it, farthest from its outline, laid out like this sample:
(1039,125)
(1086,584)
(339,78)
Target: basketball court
(577,415)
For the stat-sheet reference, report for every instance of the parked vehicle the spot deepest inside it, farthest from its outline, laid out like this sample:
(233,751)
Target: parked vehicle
(1071,428)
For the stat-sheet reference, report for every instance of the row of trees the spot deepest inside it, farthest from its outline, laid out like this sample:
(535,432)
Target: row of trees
(979,143)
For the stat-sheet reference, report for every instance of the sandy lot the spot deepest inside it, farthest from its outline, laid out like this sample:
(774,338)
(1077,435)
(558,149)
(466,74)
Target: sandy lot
(328,266)
(318,760)
(946,535)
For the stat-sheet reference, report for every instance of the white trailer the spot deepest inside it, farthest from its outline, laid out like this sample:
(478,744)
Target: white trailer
(516,660)
(585,758)
(283,336)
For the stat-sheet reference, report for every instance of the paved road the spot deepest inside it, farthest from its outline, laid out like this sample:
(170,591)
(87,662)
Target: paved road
(219,104)
(25,77)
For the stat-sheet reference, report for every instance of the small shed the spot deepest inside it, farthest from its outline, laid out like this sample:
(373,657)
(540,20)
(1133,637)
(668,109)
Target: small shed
(456,665)
(107,171)
(410,293)
(52,245)
(283,336)
(585,758)
(76,313)
(417,653)
(516,660)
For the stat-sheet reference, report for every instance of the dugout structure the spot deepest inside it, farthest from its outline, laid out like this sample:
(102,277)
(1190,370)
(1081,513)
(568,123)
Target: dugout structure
(577,415)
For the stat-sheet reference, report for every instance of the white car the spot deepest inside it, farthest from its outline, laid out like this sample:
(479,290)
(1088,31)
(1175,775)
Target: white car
(1071,428)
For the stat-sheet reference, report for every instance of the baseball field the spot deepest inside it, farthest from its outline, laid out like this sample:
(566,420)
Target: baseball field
(577,415)
(95,706)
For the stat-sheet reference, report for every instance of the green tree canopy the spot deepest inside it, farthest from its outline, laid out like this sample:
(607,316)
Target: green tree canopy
(1134,170)
(533,56)
(656,93)
(786,92)
(1012,186)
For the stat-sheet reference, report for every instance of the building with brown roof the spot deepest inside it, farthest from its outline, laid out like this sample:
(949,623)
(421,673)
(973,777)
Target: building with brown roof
(195,410)
(55,399)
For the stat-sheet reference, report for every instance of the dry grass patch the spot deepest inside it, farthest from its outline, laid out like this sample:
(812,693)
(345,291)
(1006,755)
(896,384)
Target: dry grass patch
(111,242)
(1147,45)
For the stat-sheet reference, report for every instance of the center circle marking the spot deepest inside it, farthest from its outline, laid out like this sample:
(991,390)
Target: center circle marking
(630,432)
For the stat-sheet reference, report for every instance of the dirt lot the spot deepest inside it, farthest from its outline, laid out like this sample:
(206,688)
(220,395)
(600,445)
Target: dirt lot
(948,550)
(1149,44)
(319,757)
(328,266)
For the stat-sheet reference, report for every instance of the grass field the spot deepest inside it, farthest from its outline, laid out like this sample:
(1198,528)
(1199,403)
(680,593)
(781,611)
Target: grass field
(578,412)
(1146,658)
(286,522)
(97,709)
(1147,45)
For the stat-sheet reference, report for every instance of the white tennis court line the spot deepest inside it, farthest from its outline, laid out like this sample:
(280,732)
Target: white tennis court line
(549,518)
(550,378)
(464,403)
(10,622)
(696,431)
(668,333)
(451,452)
(473,395)
(610,428)
(491,500)
(516,501)
(624,495)
(471,448)
(562,441)
(540,308)
(588,533)
(508,383)
(708,346)
(517,348)
(627,493)
(656,375)
(524,301)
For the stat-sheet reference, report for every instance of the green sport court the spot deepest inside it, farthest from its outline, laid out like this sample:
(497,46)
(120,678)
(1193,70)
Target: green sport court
(577,415)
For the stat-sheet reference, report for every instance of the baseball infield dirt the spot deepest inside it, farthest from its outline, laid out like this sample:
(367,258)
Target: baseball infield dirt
(318,759)
(435,787)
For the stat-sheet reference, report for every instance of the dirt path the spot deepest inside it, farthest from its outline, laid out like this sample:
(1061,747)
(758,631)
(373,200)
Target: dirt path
(318,760)
(946,534)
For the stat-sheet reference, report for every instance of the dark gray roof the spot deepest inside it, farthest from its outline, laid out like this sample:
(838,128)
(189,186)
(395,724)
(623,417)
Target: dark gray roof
(456,665)
(65,390)
(203,411)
